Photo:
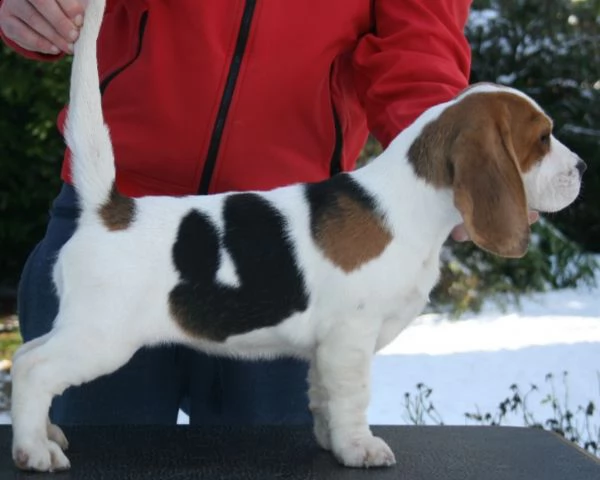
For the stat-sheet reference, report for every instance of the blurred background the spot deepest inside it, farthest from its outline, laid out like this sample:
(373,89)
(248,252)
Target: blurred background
(503,341)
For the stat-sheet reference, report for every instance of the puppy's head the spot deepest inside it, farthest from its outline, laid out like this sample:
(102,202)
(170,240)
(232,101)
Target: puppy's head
(494,147)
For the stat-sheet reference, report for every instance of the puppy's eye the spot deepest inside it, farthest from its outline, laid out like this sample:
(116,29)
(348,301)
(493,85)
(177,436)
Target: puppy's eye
(545,139)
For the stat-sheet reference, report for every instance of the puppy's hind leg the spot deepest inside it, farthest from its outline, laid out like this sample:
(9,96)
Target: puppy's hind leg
(31,344)
(73,354)
(56,435)
(54,432)
(344,365)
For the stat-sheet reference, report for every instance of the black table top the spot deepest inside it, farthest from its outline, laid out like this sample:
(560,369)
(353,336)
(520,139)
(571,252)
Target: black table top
(423,453)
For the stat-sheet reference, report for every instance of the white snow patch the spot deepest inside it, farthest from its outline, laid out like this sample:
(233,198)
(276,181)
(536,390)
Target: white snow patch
(470,364)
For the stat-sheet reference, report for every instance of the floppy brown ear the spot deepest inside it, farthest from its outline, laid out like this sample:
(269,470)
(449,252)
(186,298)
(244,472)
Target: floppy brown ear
(488,190)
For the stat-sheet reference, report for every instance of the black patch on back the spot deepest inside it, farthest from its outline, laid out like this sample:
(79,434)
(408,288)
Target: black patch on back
(271,285)
(323,198)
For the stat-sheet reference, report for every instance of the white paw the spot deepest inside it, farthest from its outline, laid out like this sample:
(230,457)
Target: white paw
(368,451)
(43,456)
(56,435)
(322,433)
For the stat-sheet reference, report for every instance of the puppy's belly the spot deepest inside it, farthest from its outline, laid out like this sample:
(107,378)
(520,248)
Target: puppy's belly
(292,337)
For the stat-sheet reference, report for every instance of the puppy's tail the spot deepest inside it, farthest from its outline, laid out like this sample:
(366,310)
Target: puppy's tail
(87,136)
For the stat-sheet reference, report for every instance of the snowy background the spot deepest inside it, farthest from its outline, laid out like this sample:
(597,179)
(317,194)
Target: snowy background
(470,364)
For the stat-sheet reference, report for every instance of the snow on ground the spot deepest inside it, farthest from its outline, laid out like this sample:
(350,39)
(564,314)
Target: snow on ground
(470,364)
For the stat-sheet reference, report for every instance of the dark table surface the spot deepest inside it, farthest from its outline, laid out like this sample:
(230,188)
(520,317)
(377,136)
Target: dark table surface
(423,453)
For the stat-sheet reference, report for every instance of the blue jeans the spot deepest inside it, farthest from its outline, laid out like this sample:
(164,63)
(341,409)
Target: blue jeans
(156,382)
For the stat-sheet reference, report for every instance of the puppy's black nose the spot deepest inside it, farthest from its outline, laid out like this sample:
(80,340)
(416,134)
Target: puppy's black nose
(581,166)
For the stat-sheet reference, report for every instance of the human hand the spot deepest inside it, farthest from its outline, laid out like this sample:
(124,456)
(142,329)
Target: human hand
(45,26)
(459,233)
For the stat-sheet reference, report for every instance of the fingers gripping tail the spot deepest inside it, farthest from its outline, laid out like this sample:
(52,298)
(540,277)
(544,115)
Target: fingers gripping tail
(86,134)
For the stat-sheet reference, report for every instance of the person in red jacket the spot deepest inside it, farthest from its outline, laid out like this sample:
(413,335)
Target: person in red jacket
(211,96)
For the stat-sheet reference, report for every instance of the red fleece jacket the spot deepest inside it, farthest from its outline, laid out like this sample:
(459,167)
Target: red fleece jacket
(212,96)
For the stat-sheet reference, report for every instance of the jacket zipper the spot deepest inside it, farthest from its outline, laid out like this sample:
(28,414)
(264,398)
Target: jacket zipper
(112,75)
(335,166)
(234,71)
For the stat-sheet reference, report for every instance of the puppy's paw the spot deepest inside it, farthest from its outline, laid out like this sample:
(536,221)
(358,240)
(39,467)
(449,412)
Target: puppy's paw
(366,452)
(56,435)
(42,456)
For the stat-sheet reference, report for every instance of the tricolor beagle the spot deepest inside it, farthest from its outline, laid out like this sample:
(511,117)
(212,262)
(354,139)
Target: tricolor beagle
(330,272)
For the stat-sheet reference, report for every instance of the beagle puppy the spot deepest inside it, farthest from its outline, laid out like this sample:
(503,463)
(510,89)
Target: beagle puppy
(330,272)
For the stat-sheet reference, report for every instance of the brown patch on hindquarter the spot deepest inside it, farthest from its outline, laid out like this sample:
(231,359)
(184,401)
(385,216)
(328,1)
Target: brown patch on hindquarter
(118,212)
(350,234)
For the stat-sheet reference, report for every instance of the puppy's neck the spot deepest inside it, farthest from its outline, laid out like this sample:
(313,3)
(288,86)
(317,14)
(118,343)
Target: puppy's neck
(415,210)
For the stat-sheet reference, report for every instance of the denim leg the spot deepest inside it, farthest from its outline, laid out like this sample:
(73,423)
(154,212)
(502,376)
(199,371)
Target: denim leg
(269,392)
(226,391)
(146,390)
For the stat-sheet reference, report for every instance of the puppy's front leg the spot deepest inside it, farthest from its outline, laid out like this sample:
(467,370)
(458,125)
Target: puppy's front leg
(344,366)
(318,404)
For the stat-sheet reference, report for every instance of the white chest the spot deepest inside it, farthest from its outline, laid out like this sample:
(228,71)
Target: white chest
(409,302)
